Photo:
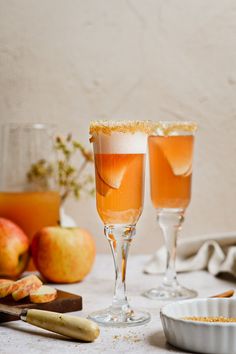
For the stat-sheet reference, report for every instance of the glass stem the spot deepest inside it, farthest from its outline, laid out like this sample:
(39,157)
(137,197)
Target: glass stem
(120,237)
(170,221)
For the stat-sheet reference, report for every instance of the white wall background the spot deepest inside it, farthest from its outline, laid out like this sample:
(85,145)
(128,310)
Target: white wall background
(69,61)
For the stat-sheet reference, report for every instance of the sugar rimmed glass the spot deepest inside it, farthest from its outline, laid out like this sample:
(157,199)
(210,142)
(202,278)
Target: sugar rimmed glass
(119,154)
(171,156)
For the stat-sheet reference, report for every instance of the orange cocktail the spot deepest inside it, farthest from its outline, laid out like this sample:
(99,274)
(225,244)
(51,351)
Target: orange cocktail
(31,210)
(30,204)
(119,187)
(119,154)
(171,170)
(171,157)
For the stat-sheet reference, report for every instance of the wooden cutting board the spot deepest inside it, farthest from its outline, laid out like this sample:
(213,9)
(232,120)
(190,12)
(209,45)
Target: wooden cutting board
(65,302)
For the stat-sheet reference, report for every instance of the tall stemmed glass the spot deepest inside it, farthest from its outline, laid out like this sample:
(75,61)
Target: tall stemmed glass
(171,155)
(119,154)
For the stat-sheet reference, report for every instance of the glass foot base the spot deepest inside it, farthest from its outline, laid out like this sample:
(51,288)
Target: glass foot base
(170,293)
(128,318)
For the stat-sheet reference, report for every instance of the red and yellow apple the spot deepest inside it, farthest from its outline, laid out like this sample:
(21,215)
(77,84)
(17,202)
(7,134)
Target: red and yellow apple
(14,249)
(63,255)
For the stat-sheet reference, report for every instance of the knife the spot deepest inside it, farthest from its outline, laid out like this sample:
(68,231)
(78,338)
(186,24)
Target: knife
(70,326)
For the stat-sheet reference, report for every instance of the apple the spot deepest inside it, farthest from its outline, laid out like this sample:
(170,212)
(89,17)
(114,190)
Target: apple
(63,255)
(6,287)
(26,281)
(24,286)
(43,294)
(14,249)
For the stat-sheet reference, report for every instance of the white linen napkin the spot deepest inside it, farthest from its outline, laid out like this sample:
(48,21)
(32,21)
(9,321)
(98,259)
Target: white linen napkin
(215,253)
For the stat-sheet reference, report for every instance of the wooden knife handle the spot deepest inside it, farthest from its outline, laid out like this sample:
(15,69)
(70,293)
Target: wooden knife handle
(67,325)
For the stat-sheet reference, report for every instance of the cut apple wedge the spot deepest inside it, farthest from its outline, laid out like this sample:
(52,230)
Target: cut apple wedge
(43,294)
(28,280)
(188,172)
(6,287)
(101,187)
(24,286)
(111,168)
(181,168)
(24,291)
(178,151)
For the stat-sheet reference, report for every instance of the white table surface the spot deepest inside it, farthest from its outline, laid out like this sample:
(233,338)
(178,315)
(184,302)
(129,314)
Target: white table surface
(19,337)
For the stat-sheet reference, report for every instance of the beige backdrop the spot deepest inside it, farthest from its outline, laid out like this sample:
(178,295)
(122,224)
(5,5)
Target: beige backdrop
(69,61)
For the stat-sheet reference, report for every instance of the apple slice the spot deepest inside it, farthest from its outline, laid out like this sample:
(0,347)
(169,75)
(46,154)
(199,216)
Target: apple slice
(43,294)
(2,281)
(24,286)
(28,280)
(188,172)
(6,287)
(178,151)
(111,168)
(101,187)
(21,293)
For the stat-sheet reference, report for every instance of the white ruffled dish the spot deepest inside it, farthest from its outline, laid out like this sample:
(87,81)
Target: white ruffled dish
(200,337)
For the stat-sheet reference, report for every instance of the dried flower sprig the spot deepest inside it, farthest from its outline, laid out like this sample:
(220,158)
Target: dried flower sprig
(69,178)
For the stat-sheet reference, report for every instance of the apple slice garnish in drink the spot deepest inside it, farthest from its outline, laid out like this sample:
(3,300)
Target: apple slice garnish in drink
(178,152)
(101,187)
(111,170)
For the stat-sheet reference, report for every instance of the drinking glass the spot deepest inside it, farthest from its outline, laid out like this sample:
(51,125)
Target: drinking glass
(31,206)
(171,155)
(119,154)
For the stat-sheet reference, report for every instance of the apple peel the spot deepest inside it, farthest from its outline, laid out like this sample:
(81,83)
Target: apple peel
(43,294)
(102,188)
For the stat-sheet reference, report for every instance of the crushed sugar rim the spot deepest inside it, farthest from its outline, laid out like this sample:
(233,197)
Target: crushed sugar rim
(128,126)
(143,126)
(170,127)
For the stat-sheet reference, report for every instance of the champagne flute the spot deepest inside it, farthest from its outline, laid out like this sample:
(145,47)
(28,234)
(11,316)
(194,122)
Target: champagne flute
(171,155)
(119,154)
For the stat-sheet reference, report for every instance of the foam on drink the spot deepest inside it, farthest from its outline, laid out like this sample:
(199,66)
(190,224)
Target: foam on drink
(120,143)
(124,137)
